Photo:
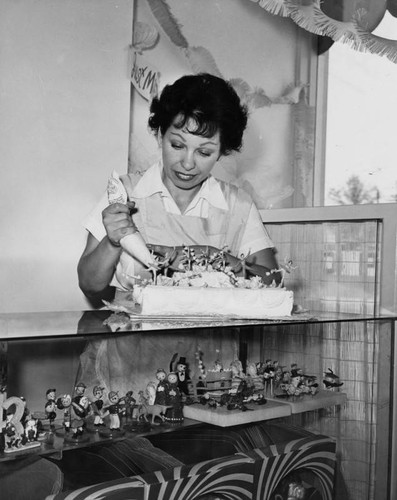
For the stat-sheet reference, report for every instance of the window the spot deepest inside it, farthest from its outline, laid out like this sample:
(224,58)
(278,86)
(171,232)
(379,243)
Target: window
(360,164)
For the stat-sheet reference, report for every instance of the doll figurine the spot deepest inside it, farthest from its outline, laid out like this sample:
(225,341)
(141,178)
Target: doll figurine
(129,405)
(31,429)
(50,406)
(114,410)
(80,412)
(183,378)
(161,387)
(64,403)
(97,406)
(50,411)
(79,391)
(173,399)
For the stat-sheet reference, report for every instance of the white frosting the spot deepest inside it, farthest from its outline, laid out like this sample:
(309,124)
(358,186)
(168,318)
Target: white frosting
(262,303)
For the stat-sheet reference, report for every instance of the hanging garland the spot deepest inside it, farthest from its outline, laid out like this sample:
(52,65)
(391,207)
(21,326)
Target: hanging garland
(310,15)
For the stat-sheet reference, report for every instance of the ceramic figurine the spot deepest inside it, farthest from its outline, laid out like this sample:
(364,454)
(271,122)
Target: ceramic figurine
(50,411)
(173,400)
(331,380)
(151,389)
(161,377)
(31,429)
(80,411)
(79,391)
(237,374)
(129,405)
(64,403)
(183,378)
(97,406)
(114,410)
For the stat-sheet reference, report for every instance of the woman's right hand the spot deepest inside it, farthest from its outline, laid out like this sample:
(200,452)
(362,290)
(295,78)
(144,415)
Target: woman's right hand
(118,221)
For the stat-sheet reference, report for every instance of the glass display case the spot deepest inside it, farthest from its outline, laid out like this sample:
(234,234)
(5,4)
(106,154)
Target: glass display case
(42,351)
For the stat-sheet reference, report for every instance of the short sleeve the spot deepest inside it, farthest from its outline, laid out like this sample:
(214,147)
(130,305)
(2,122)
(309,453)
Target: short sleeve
(93,222)
(255,236)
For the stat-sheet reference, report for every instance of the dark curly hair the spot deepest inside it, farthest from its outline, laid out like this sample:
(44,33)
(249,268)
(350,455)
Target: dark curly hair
(209,101)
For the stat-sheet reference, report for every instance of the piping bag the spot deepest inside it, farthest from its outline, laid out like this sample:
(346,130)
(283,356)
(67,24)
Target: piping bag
(133,243)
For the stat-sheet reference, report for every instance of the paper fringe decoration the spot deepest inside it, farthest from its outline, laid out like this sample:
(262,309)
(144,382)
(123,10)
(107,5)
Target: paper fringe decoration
(202,61)
(309,16)
(167,21)
(145,36)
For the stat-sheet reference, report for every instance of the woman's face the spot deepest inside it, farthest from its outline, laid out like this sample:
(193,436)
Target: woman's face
(187,158)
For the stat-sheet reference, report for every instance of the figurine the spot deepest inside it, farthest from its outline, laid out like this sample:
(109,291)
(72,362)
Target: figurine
(253,379)
(151,390)
(50,411)
(64,403)
(31,429)
(79,391)
(114,410)
(237,374)
(97,406)
(331,380)
(129,405)
(80,411)
(181,372)
(50,406)
(161,387)
(155,410)
(173,400)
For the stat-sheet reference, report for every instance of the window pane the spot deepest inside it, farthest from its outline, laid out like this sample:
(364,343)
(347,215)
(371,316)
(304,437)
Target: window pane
(361,135)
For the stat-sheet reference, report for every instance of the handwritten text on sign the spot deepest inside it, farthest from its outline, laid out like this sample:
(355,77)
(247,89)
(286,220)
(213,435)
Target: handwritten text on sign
(144,77)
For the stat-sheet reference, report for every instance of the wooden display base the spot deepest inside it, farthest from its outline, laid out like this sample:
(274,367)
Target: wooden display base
(225,418)
(23,447)
(322,399)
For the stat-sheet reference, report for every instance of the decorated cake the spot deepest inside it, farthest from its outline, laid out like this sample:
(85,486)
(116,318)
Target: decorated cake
(209,287)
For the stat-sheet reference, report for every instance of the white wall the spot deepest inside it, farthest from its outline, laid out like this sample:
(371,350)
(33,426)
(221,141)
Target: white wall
(64,125)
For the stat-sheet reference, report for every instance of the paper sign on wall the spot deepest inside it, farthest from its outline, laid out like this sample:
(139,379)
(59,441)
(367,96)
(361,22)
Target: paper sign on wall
(144,77)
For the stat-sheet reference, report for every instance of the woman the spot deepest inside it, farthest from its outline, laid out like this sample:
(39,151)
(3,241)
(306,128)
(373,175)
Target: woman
(177,202)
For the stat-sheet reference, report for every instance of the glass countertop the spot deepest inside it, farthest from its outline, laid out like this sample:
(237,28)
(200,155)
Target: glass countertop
(81,323)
